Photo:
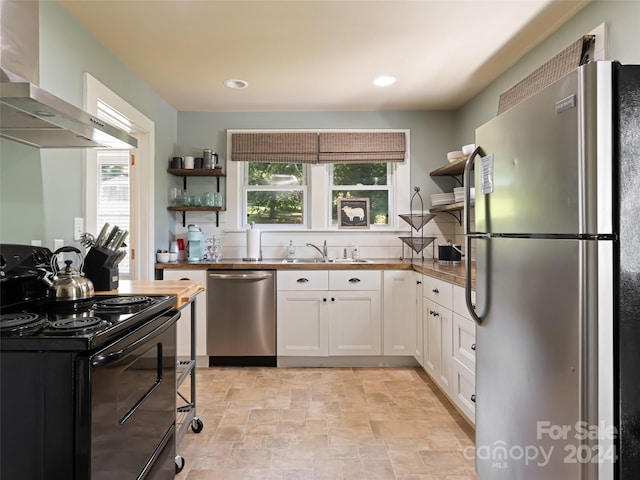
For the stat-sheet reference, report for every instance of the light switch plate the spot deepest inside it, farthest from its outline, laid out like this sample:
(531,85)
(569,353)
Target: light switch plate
(78,228)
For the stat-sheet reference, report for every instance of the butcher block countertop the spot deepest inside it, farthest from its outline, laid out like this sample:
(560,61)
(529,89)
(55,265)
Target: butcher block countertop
(451,273)
(184,290)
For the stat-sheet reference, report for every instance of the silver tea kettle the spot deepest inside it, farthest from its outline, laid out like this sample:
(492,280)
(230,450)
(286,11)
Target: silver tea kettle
(68,283)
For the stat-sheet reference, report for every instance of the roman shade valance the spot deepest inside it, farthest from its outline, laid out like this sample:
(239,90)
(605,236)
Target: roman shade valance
(279,147)
(318,147)
(564,62)
(361,147)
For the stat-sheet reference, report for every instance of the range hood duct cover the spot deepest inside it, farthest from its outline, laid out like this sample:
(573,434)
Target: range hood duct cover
(29,114)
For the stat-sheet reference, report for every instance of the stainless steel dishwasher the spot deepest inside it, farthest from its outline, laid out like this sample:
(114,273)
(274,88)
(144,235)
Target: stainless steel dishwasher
(241,317)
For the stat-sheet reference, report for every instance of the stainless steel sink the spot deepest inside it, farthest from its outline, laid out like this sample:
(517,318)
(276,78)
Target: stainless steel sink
(329,260)
(303,260)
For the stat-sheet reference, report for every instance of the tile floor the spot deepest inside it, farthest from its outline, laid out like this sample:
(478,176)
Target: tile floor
(324,423)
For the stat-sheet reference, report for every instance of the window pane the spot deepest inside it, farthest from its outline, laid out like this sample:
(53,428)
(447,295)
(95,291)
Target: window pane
(275,207)
(275,174)
(360,174)
(114,194)
(378,204)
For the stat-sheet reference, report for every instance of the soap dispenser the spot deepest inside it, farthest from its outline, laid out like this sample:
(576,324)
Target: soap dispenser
(291,252)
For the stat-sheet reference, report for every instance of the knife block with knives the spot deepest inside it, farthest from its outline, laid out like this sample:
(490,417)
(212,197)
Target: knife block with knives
(102,259)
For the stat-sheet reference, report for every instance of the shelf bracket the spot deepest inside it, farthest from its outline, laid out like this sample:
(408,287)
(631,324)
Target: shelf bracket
(457,215)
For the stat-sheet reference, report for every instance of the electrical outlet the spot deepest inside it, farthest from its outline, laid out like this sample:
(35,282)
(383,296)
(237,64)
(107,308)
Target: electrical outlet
(78,228)
(58,243)
(36,243)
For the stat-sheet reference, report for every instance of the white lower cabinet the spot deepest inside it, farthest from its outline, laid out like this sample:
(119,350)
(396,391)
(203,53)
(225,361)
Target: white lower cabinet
(399,319)
(438,358)
(184,323)
(303,323)
(464,355)
(355,323)
(449,342)
(324,313)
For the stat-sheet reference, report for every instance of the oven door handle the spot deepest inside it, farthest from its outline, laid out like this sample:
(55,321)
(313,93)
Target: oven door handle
(101,360)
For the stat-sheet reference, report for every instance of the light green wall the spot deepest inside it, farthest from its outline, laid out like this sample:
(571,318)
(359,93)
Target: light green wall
(42,190)
(622,19)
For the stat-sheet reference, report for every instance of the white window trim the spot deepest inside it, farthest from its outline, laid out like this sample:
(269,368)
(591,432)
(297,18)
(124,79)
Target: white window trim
(319,188)
(142,205)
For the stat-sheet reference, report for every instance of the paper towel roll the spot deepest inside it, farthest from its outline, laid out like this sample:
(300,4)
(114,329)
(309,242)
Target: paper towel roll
(253,244)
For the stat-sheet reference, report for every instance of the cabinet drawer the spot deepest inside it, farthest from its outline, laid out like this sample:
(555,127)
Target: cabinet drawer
(438,291)
(303,280)
(464,386)
(459,302)
(464,341)
(354,280)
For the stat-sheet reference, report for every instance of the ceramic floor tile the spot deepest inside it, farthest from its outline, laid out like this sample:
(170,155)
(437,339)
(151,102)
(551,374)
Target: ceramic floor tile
(324,423)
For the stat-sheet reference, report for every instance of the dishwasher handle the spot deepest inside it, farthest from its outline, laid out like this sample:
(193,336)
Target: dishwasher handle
(240,276)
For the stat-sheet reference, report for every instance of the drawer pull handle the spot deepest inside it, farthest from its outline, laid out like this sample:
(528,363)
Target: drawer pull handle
(418,282)
(324,299)
(333,299)
(473,398)
(435,290)
(473,347)
(302,280)
(354,280)
(185,278)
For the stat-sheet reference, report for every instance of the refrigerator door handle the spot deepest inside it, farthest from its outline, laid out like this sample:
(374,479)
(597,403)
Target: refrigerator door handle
(467,279)
(467,228)
(466,180)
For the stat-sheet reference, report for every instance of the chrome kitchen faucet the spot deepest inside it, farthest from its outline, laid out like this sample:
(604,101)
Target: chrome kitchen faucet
(323,252)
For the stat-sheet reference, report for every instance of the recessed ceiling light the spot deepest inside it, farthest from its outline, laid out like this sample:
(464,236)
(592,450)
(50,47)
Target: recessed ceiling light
(235,83)
(384,81)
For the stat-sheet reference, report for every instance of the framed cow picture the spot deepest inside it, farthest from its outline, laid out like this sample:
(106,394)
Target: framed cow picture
(353,213)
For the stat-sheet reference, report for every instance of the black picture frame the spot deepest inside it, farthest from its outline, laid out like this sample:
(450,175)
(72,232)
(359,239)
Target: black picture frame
(353,213)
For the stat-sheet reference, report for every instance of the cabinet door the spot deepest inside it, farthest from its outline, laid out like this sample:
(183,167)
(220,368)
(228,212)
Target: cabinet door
(184,324)
(438,346)
(303,328)
(431,340)
(355,325)
(399,317)
(418,334)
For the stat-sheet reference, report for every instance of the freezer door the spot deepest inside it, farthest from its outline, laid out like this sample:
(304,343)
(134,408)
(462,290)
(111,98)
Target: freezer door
(536,360)
(548,165)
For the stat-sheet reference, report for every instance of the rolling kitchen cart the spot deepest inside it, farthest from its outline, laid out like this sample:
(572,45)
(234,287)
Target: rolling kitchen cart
(186,409)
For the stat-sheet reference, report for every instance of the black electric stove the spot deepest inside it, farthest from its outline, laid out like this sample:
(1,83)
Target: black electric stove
(87,388)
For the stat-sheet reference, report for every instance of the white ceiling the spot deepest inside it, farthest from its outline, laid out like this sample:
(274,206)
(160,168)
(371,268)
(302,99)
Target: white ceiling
(309,55)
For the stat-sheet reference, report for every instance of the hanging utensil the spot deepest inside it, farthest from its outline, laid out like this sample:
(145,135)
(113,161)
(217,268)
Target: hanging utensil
(87,240)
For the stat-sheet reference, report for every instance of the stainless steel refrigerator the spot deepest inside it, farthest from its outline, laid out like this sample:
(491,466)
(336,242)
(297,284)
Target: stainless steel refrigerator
(556,241)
